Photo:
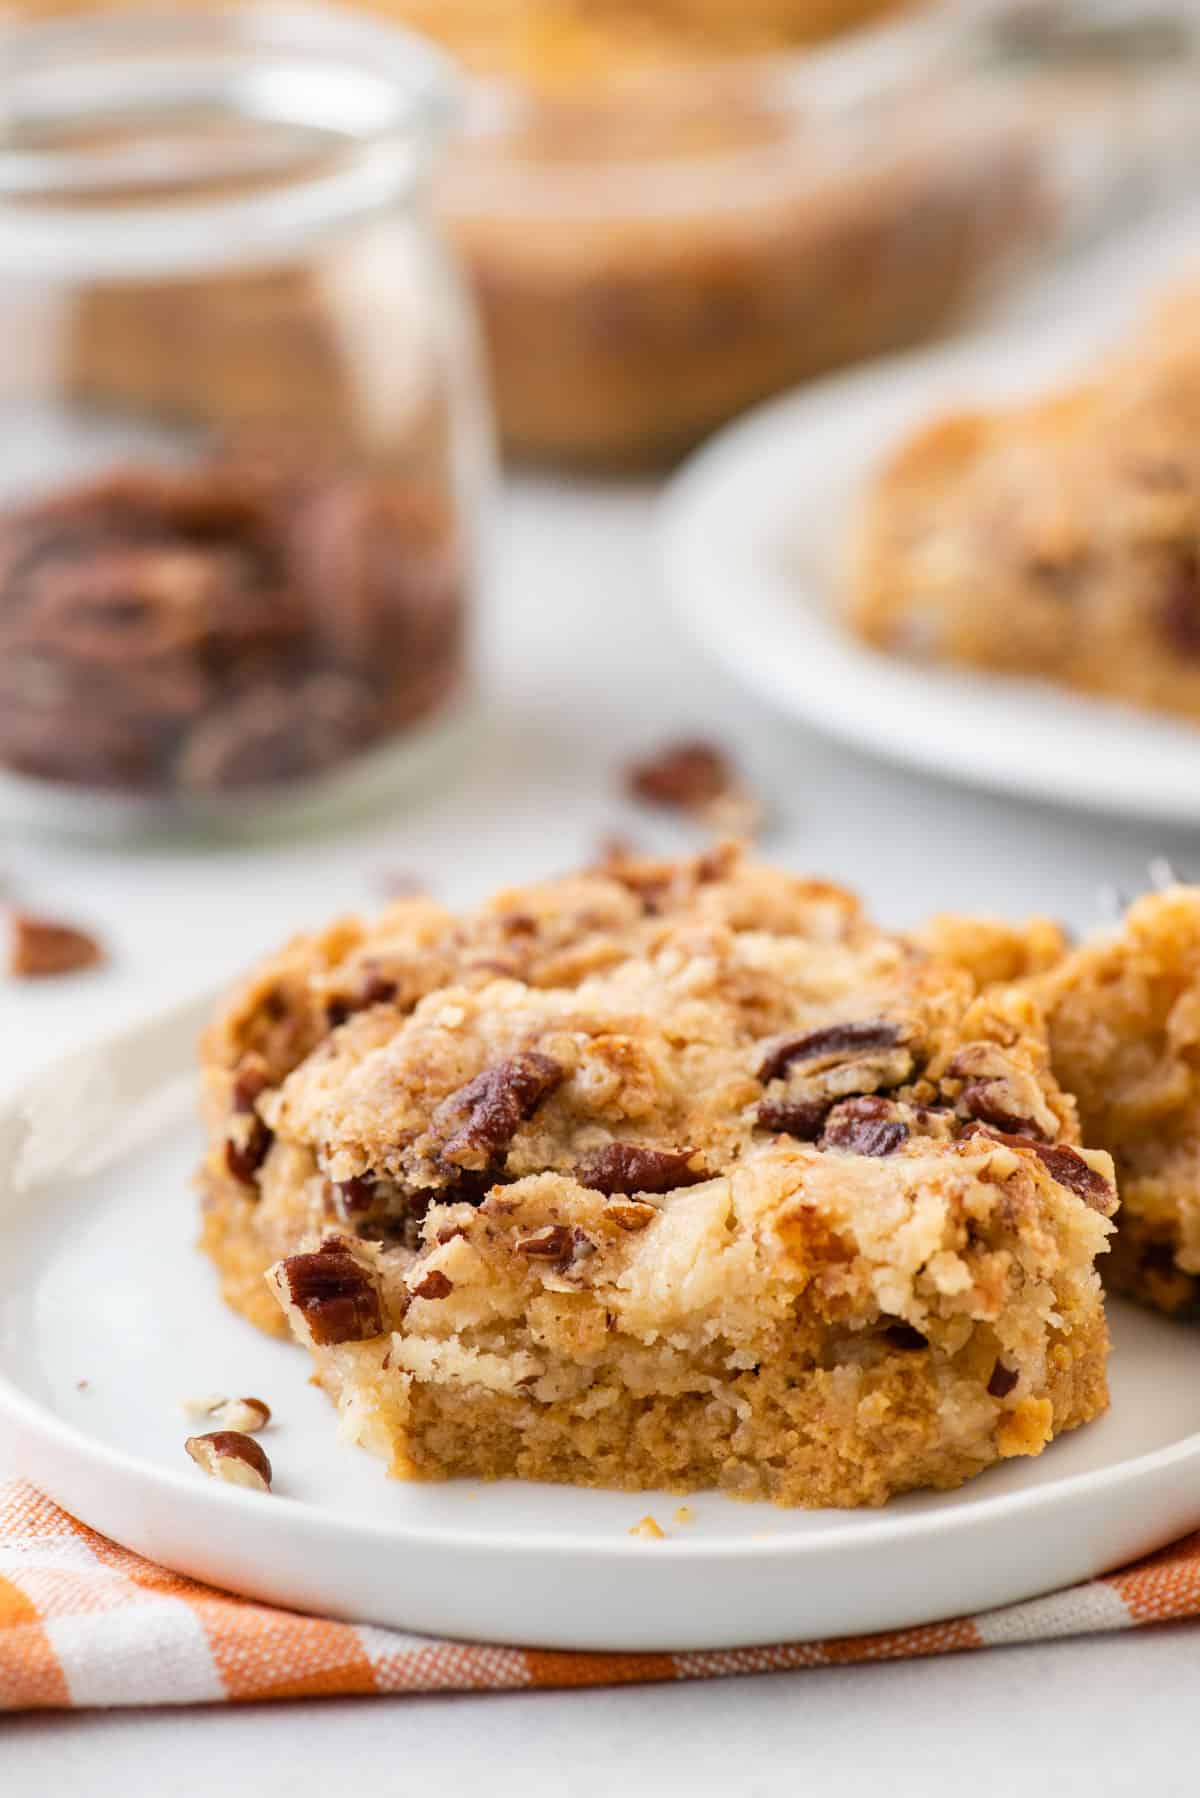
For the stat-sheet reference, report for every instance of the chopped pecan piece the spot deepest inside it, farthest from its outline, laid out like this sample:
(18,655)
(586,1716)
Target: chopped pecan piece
(866,1126)
(376,1206)
(687,776)
(997,1091)
(803,1119)
(332,1295)
(377,989)
(246,1151)
(839,1061)
(699,778)
(354,1197)
(433,1285)
(251,1080)
(1068,1167)
(245,1415)
(232,1456)
(551,1243)
(42,947)
(1063,1163)
(833,1041)
(629,1167)
(483,1116)
(1002,1380)
(374,988)
(979,1100)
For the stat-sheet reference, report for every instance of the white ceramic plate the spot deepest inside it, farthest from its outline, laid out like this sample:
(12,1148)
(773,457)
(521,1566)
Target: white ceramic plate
(100,1283)
(753,530)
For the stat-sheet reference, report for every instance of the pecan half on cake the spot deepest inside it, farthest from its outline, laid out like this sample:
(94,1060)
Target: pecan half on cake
(1057,539)
(676,1175)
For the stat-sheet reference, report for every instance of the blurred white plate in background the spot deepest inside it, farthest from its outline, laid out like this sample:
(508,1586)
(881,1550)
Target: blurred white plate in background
(753,531)
(109,1317)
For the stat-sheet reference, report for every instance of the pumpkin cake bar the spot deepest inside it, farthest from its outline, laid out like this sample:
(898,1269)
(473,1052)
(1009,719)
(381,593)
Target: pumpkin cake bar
(1056,539)
(671,1176)
(1124,1019)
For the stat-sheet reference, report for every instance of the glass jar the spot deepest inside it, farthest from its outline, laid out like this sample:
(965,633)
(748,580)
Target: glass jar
(653,249)
(662,229)
(244,448)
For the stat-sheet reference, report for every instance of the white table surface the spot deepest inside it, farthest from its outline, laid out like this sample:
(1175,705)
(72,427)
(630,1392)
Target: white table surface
(586,669)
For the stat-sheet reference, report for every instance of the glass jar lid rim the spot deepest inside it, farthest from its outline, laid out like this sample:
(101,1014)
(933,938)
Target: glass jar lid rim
(96,168)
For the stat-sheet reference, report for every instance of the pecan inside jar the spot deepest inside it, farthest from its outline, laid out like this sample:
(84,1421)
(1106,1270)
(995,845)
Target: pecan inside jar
(253,619)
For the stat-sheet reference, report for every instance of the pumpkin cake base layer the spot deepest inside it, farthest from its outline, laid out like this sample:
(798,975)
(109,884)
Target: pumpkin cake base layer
(667,1175)
(825,1416)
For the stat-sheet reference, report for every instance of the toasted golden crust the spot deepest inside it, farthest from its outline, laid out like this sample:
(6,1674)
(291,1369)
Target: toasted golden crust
(992,951)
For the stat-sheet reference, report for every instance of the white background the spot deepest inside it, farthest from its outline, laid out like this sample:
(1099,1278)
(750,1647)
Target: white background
(585,669)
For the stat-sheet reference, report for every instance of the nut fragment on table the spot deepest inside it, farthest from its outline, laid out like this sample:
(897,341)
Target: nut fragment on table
(42,947)
(232,1456)
(699,778)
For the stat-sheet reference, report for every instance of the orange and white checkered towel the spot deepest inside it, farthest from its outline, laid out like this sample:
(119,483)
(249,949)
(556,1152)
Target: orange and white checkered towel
(85,1623)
